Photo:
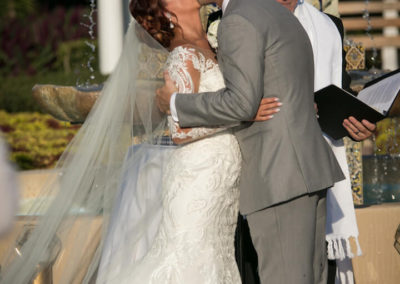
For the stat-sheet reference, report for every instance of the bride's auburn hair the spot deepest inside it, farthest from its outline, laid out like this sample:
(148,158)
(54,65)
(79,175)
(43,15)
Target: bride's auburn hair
(151,14)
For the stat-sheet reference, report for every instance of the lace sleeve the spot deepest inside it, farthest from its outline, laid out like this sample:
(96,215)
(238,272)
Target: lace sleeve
(183,64)
(178,64)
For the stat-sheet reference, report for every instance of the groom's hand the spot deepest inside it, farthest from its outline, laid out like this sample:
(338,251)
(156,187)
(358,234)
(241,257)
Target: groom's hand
(268,107)
(164,94)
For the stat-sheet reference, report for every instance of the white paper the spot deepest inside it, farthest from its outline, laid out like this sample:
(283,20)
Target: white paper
(380,95)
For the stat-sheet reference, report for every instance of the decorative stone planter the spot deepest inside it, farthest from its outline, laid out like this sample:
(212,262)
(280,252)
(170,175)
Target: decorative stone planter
(66,103)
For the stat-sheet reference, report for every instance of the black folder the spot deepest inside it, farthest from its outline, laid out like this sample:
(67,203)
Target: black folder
(335,105)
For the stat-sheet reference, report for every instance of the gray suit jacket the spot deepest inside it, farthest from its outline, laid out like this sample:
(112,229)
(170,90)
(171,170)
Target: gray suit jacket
(264,52)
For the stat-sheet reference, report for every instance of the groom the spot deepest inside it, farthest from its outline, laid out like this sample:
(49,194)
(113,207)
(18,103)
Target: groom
(264,52)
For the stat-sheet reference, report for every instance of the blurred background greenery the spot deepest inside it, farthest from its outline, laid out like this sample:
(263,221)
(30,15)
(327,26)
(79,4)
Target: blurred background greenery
(41,42)
(36,140)
(45,42)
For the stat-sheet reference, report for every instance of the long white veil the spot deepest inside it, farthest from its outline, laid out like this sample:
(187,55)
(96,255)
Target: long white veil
(121,139)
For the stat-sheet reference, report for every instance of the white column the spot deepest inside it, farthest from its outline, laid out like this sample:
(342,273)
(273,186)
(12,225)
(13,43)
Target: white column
(389,54)
(110,33)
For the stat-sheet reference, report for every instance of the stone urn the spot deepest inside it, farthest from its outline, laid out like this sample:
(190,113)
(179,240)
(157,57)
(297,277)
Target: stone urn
(66,103)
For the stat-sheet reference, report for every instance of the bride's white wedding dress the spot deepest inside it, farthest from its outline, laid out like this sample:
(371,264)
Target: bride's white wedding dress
(194,242)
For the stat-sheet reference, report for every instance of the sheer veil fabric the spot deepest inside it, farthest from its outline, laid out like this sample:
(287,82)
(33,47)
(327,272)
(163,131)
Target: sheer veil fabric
(71,215)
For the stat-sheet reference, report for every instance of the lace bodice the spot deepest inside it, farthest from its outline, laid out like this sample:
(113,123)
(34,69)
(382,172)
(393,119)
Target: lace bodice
(177,66)
(210,80)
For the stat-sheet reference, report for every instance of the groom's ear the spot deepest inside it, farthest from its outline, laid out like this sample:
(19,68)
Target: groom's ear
(213,17)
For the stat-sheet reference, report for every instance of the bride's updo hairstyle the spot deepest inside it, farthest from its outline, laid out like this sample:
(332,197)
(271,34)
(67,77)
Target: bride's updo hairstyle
(151,14)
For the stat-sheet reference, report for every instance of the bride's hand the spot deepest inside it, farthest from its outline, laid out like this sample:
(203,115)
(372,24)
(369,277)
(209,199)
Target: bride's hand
(268,107)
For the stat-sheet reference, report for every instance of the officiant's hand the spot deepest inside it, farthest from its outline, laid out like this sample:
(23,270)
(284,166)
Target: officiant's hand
(268,107)
(359,131)
(164,94)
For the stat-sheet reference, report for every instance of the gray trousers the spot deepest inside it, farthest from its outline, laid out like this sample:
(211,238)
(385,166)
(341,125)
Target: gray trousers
(290,241)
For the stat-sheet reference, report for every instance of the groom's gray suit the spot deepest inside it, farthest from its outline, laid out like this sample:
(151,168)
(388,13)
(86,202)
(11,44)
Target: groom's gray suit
(264,52)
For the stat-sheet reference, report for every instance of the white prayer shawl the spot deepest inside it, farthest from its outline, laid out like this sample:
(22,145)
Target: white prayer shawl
(327,48)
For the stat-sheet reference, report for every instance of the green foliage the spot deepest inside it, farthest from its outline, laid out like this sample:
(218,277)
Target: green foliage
(387,136)
(28,45)
(46,44)
(17,8)
(36,140)
(72,56)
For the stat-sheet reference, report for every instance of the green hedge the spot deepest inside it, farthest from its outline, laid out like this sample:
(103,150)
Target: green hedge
(36,140)
(29,45)
(16,92)
(46,47)
(387,138)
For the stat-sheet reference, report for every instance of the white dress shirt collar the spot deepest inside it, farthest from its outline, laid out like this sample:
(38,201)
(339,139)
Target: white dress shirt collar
(224,4)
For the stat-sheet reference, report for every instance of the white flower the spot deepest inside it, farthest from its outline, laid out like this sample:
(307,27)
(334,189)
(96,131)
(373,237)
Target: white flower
(212,34)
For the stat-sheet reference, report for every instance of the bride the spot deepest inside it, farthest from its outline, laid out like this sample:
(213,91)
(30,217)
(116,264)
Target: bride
(195,239)
(122,207)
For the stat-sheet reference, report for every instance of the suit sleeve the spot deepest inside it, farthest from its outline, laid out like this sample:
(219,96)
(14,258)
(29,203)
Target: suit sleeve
(241,59)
